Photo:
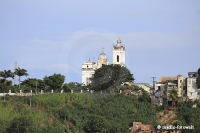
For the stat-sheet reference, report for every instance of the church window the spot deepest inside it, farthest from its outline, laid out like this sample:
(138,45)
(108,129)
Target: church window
(117,58)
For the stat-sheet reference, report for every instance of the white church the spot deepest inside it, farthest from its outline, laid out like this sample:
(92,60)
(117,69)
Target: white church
(88,68)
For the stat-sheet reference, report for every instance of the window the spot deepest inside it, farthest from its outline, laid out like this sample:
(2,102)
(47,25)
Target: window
(180,81)
(117,58)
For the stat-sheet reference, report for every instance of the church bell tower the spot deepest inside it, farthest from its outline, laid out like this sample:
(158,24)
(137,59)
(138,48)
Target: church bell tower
(119,53)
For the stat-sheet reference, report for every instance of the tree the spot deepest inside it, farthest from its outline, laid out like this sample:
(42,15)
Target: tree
(21,125)
(72,86)
(6,74)
(95,124)
(198,79)
(109,76)
(173,95)
(20,72)
(34,83)
(55,81)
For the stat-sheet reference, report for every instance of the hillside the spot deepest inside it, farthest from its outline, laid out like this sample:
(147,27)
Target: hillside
(79,113)
(74,113)
(166,117)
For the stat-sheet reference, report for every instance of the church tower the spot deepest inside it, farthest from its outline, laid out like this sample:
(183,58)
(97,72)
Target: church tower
(119,53)
(87,72)
(102,60)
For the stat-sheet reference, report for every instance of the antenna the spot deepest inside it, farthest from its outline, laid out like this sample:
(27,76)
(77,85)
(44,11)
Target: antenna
(93,55)
(15,67)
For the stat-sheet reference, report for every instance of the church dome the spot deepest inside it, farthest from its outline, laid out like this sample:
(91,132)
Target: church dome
(102,56)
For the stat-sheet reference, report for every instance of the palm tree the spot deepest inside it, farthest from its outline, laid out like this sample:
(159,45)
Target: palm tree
(173,94)
(20,72)
(6,74)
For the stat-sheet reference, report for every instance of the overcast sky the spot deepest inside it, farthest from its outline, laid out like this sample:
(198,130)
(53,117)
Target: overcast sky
(162,38)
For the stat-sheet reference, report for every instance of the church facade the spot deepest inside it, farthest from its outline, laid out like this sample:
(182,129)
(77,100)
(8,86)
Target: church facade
(88,68)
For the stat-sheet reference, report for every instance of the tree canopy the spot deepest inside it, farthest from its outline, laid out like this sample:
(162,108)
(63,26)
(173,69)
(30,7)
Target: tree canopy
(6,74)
(55,81)
(109,76)
(173,94)
(20,72)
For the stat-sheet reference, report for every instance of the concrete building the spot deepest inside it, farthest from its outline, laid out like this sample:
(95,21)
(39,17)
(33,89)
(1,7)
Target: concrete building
(178,80)
(138,127)
(88,68)
(181,84)
(192,90)
(144,86)
(87,71)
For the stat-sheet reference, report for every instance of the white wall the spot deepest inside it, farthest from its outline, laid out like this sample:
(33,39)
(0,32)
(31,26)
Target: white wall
(146,88)
(86,74)
(192,88)
(121,53)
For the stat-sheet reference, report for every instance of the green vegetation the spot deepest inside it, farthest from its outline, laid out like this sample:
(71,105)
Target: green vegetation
(189,115)
(74,113)
(173,94)
(84,112)
(6,74)
(20,72)
(55,81)
(110,76)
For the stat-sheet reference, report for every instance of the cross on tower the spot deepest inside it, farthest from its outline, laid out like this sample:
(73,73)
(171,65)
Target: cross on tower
(102,50)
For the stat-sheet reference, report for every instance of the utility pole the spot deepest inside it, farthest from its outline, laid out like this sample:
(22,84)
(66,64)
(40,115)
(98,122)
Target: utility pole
(30,101)
(36,86)
(4,96)
(153,82)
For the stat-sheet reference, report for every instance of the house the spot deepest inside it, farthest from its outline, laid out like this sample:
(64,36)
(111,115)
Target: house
(144,86)
(167,83)
(138,127)
(161,83)
(192,90)
(127,91)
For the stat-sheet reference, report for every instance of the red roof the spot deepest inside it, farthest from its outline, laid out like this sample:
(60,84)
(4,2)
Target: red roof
(145,127)
(127,90)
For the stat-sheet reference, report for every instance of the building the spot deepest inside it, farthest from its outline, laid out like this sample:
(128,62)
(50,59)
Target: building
(138,127)
(192,91)
(145,86)
(88,68)
(165,85)
(181,84)
(119,53)
(87,71)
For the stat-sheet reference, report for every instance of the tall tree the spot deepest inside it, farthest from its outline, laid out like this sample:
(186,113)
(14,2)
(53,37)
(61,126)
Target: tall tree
(55,81)
(198,79)
(109,76)
(173,94)
(20,72)
(6,74)
(34,83)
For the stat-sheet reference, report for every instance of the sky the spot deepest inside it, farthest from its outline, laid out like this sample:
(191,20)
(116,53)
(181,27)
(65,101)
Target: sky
(162,38)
